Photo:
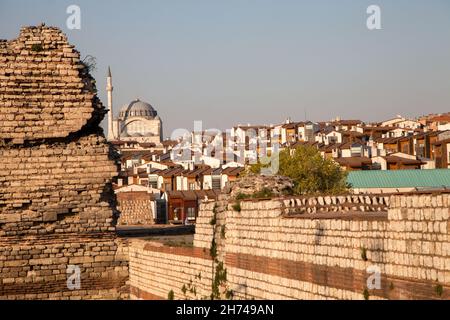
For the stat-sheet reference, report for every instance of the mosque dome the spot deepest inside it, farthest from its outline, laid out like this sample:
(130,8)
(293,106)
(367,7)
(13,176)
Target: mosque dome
(137,108)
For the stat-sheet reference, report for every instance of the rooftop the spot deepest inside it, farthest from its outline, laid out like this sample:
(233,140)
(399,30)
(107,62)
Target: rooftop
(433,178)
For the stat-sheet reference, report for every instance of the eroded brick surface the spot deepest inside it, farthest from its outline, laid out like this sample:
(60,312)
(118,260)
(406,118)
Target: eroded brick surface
(45,90)
(56,200)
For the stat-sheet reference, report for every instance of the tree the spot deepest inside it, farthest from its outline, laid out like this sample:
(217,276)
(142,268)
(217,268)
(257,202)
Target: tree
(310,172)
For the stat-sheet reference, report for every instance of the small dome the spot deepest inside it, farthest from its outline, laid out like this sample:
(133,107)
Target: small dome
(137,108)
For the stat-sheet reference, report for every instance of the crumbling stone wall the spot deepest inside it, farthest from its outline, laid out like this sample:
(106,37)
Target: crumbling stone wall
(56,200)
(46,91)
(269,252)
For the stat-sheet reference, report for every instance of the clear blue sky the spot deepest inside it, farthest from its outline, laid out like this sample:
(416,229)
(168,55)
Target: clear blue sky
(259,61)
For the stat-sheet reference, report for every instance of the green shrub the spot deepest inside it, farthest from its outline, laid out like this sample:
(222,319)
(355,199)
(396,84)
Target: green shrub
(222,231)
(242,196)
(263,193)
(391,286)
(213,249)
(366,294)
(310,171)
(213,220)
(364,254)
(439,290)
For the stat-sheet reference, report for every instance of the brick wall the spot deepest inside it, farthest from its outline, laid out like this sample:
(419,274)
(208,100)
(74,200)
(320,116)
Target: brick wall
(46,92)
(274,249)
(135,208)
(155,270)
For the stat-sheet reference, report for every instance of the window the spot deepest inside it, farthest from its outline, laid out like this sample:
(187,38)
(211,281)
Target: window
(191,213)
(405,148)
(216,183)
(153,182)
(420,150)
(192,186)
(168,187)
(332,139)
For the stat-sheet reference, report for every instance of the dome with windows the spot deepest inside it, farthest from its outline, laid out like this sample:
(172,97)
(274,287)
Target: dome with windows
(137,108)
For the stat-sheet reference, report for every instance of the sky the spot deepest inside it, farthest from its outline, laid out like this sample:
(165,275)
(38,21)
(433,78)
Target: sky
(235,62)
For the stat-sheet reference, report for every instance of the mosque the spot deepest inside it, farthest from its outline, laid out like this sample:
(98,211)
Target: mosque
(137,121)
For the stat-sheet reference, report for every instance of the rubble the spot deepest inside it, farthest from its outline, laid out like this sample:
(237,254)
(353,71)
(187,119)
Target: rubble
(253,184)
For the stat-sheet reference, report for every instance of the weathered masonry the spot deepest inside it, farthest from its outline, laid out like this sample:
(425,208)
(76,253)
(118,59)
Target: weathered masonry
(135,208)
(55,175)
(305,248)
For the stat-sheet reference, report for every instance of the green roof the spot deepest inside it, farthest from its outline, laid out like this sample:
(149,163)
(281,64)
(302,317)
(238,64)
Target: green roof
(432,178)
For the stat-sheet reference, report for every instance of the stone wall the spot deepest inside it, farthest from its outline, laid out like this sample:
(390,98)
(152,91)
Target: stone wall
(270,252)
(156,270)
(136,208)
(56,199)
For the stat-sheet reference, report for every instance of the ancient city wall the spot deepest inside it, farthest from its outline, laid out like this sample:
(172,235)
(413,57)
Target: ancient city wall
(56,200)
(271,252)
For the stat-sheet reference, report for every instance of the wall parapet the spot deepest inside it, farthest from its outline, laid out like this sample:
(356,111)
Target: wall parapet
(342,204)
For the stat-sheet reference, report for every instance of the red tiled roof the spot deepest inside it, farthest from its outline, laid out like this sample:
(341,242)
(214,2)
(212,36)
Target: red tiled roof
(147,145)
(439,142)
(292,125)
(169,143)
(379,128)
(346,122)
(388,140)
(396,159)
(354,162)
(194,194)
(441,118)
(352,133)
(306,143)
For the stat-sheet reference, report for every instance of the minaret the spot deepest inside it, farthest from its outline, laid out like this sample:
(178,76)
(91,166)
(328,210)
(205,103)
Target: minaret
(109,89)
